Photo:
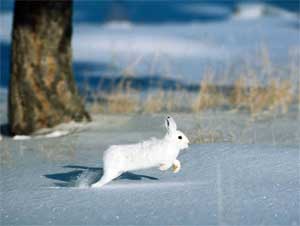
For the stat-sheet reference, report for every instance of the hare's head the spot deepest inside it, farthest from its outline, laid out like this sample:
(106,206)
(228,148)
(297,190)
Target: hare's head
(176,136)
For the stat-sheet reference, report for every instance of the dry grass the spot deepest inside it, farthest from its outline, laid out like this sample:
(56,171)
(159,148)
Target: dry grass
(120,100)
(238,98)
(208,96)
(154,102)
(207,136)
(164,101)
(275,97)
(248,93)
(121,103)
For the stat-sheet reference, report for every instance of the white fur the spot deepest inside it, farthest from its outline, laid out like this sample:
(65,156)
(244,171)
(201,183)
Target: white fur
(160,153)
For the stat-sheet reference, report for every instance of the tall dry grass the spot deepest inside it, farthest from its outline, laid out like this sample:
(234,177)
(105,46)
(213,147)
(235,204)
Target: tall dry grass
(269,94)
(154,102)
(275,97)
(122,99)
(208,96)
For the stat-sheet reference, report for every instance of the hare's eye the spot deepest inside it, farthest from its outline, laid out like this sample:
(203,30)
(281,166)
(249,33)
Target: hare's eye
(179,137)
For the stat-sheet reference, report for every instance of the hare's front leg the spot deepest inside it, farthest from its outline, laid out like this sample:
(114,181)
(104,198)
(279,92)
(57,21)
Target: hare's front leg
(176,166)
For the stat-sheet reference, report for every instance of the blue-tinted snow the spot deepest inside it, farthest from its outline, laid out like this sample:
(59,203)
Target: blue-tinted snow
(218,184)
(183,51)
(164,39)
(45,181)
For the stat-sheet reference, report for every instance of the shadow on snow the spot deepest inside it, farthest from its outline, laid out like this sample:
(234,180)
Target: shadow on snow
(87,176)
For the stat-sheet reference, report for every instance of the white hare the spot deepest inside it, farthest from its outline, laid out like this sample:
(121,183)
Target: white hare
(161,153)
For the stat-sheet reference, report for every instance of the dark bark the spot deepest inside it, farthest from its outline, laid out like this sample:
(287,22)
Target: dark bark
(42,87)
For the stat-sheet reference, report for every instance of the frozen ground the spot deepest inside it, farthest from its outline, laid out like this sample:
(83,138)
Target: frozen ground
(45,181)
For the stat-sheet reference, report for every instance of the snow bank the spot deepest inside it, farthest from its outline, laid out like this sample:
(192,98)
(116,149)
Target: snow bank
(21,137)
(119,25)
(182,51)
(56,134)
(203,9)
(92,43)
(256,11)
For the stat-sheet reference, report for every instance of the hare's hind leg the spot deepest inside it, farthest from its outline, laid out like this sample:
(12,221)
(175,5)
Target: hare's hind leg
(107,177)
(176,166)
(165,166)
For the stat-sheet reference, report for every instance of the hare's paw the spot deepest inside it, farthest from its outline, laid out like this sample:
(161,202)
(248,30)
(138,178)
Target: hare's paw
(164,166)
(176,166)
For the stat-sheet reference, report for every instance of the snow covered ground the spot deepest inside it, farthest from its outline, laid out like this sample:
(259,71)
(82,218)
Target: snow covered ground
(46,181)
(184,51)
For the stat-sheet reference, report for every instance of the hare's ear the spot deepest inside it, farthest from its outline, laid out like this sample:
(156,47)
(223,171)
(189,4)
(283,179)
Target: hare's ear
(170,124)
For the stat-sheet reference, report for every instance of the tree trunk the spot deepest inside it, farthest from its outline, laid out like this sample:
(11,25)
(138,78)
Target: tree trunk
(42,87)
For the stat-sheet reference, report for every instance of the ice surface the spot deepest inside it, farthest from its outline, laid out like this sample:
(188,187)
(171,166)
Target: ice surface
(46,181)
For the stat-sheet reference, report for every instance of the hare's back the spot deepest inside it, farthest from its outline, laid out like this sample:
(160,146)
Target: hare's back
(121,151)
(134,156)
